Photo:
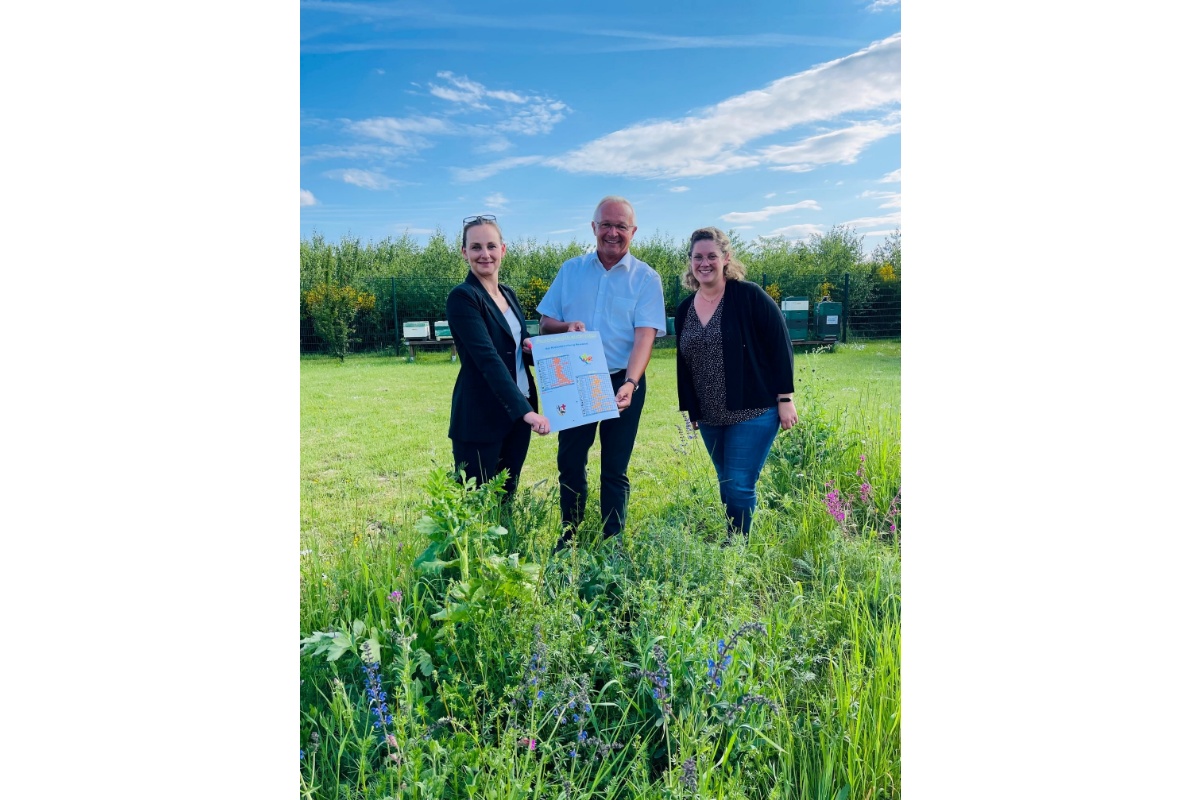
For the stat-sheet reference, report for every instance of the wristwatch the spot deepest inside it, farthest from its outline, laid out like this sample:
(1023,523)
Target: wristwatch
(631,380)
(783,400)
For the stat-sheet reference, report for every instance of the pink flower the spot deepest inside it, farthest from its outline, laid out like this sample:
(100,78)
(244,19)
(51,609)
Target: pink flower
(530,742)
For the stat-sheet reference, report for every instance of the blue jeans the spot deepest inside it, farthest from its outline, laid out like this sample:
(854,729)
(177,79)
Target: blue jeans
(739,453)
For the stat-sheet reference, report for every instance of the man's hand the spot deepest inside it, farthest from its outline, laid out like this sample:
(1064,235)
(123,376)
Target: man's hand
(575,326)
(624,396)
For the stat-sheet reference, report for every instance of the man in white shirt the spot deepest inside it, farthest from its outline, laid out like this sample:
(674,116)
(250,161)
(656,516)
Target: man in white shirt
(611,292)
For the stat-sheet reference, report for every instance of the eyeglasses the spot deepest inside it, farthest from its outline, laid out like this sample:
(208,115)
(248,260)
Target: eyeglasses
(613,226)
(479,219)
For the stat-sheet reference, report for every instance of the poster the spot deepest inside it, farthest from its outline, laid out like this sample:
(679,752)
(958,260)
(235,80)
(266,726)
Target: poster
(572,379)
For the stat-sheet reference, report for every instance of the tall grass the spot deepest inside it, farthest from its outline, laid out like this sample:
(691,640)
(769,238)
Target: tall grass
(659,664)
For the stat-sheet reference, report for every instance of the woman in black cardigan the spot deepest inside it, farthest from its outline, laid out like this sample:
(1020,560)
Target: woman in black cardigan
(494,406)
(734,363)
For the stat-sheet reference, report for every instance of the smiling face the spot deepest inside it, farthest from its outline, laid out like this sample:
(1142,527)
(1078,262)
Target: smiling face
(484,251)
(614,228)
(708,264)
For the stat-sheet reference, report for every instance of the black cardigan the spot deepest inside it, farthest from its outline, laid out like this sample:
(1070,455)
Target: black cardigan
(757,350)
(486,400)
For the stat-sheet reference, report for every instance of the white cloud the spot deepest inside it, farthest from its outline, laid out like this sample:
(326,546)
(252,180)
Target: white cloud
(377,152)
(802,231)
(769,211)
(405,228)
(891,220)
(496,145)
(677,189)
(363,178)
(488,170)
(464,90)
(403,132)
(378,71)
(890,199)
(880,5)
(495,202)
(709,142)
(306,198)
(891,177)
(835,147)
(769,195)
(539,117)
(536,114)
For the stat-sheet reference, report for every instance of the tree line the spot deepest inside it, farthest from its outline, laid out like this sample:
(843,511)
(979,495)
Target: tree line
(424,275)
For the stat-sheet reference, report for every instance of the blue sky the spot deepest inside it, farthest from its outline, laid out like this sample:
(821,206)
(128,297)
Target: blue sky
(771,119)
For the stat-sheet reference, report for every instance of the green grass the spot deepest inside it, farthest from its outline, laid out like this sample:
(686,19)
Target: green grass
(825,669)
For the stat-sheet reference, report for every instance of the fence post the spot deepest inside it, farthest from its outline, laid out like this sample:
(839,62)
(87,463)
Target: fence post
(396,317)
(845,306)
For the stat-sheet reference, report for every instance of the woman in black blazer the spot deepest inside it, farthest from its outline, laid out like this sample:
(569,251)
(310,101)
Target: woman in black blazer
(494,407)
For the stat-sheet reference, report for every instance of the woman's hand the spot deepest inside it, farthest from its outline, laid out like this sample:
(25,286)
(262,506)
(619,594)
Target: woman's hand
(787,415)
(540,424)
(527,345)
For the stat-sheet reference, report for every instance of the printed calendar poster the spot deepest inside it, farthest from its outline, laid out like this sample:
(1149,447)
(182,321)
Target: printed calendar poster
(572,379)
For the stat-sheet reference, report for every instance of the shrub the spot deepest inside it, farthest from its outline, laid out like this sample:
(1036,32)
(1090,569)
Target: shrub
(333,309)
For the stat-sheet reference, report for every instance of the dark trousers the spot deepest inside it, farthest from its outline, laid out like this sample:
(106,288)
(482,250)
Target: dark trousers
(484,460)
(616,448)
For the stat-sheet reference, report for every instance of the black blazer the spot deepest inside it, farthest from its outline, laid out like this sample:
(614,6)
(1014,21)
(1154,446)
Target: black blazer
(759,363)
(486,400)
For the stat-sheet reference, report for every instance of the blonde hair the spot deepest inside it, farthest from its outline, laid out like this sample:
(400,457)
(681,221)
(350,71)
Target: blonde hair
(734,270)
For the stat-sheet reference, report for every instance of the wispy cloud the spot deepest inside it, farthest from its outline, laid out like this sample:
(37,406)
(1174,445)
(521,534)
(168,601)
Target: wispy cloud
(891,177)
(496,202)
(575,32)
(880,5)
(678,189)
(404,132)
(890,220)
(404,228)
(769,211)
(497,145)
(836,147)
(529,114)
(361,177)
(482,171)
(802,231)
(712,140)
(373,152)
(460,89)
(890,199)
(306,198)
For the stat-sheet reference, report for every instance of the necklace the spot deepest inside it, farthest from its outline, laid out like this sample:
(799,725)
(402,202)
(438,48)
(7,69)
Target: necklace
(714,300)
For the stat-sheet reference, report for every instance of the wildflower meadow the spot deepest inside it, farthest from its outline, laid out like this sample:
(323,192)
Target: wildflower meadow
(445,653)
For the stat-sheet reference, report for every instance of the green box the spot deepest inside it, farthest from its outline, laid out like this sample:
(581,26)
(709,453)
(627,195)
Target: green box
(829,321)
(795,314)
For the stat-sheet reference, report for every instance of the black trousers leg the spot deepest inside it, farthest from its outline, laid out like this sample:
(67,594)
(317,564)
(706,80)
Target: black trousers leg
(484,460)
(616,448)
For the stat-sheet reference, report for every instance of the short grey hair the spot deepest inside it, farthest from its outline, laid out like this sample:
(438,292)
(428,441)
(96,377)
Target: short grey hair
(613,198)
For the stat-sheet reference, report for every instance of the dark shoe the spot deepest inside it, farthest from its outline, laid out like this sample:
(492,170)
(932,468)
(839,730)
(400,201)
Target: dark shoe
(563,541)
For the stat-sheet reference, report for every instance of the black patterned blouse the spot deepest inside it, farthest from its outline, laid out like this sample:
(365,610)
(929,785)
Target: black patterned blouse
(701,349)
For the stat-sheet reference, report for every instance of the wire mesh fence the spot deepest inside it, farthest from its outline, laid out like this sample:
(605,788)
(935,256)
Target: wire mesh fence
(867,309)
